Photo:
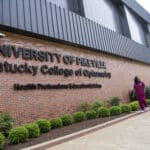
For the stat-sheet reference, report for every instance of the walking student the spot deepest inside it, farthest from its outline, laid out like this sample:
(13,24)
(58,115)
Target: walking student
(139,88)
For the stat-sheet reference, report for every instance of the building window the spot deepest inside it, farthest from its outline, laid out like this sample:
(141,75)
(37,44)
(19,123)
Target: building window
(72,5)
(103,12)
(137,30)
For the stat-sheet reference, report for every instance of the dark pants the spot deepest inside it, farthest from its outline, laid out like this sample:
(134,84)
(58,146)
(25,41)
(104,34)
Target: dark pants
(142,103)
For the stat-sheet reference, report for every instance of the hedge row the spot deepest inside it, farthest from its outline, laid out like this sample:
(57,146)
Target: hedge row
(85,106)
(23,133)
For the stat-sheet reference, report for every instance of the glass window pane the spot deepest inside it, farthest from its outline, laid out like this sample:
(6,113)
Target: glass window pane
(135,26)
(103,12)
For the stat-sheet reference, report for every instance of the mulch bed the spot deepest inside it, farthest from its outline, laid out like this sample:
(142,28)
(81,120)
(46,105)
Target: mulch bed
(53,134)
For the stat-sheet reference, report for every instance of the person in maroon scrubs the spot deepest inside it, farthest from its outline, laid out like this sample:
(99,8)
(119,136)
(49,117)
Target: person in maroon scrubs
(139,88)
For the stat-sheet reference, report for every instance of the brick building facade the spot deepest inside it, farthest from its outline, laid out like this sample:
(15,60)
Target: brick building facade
(43,75)
(28,105)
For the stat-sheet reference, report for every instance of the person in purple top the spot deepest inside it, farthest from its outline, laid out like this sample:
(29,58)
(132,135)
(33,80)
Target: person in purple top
(139,88)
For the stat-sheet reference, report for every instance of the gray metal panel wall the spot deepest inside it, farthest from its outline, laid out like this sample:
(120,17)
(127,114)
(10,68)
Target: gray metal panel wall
(47,20)
(13,13)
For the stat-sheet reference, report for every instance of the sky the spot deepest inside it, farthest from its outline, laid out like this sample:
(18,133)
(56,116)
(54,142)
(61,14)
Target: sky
(145,4)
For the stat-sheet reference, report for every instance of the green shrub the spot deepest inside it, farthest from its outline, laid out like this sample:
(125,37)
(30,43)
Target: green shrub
(78,116)
(56,123)
(84,107)
(103,112)
(90,114)
(96,105)
(134,106)
(2,138)
(44,125)
(33,130)
(18,135)
(148,92)
(114,101)
(126,108)
(148,101)
(6,123)
(132,95)
(115,110)
(66,119)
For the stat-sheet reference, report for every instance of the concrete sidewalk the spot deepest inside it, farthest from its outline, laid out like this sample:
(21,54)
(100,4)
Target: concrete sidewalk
(130,134)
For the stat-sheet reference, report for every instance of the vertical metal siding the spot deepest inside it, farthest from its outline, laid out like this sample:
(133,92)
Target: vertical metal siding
(59,22)
(110,41)
(6,12)
(34,26)
(75,28)
(68,27)
(39,17)
(1,11)
(82,30)
(72,27)
(27,15)
(131,48)
(20,14)
(13,13)
(94,35)
(124,45)
(50,20)
(88,33)
(121,50)
(64,24)
(85,32)
(79,30)
(46,19)
(101,43)
(113,43)
(103,38)
(98,36)
(55,23)
(91,34)
(107,40)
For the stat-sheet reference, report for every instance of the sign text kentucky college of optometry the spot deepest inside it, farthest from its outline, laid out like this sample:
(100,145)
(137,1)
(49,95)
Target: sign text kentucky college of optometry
(85,69)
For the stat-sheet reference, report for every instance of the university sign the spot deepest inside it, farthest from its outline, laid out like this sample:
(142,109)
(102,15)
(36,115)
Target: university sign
(11,51)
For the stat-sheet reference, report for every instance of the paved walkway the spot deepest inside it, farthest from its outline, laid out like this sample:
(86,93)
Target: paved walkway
(130,134)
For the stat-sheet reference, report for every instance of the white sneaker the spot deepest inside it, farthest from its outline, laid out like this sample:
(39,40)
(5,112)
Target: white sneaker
(142,111)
